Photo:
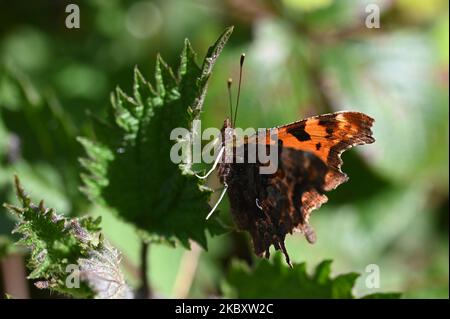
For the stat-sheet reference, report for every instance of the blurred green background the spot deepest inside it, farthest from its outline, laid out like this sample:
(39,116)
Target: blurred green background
(304,58)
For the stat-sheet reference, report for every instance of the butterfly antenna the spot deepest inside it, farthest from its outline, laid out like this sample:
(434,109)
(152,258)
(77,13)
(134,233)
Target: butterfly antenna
(229,82)
(239,87)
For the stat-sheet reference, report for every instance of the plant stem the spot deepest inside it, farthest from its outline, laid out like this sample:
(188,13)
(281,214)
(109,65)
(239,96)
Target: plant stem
(187,271)
(14,276)
(145,290)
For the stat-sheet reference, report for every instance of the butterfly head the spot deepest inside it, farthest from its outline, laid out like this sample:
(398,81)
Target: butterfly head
(227,131)
(227,124)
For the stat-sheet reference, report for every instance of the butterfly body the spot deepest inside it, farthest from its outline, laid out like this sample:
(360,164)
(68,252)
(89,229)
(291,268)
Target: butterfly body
(269,206)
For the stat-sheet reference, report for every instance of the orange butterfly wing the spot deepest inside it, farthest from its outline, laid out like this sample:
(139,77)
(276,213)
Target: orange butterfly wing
(270,207)
(327,136)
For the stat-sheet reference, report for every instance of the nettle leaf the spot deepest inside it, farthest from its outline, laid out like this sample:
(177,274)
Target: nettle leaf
(64,250)
(101,270)
(128,165)
(273,279)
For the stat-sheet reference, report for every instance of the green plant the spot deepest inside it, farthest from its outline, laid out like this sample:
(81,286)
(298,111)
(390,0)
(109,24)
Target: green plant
(132,152)
(128,169)
(272,278)
(61,247)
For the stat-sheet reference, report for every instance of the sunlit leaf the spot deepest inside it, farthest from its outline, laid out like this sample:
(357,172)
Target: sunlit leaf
(129,166)
(273,279)
(56,243)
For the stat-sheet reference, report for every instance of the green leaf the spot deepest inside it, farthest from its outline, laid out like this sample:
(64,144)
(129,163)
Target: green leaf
(273,279)
(128,165)
(342,286)
(56,243)
(323,271)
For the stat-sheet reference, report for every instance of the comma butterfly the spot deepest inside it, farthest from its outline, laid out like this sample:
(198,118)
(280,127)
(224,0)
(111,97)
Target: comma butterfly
(269,206)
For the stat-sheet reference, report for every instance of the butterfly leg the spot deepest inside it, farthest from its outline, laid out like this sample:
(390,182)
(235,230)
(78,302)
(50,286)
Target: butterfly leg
(216,162)
(218,202)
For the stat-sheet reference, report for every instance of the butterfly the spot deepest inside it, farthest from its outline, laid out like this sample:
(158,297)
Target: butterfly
(270,206)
